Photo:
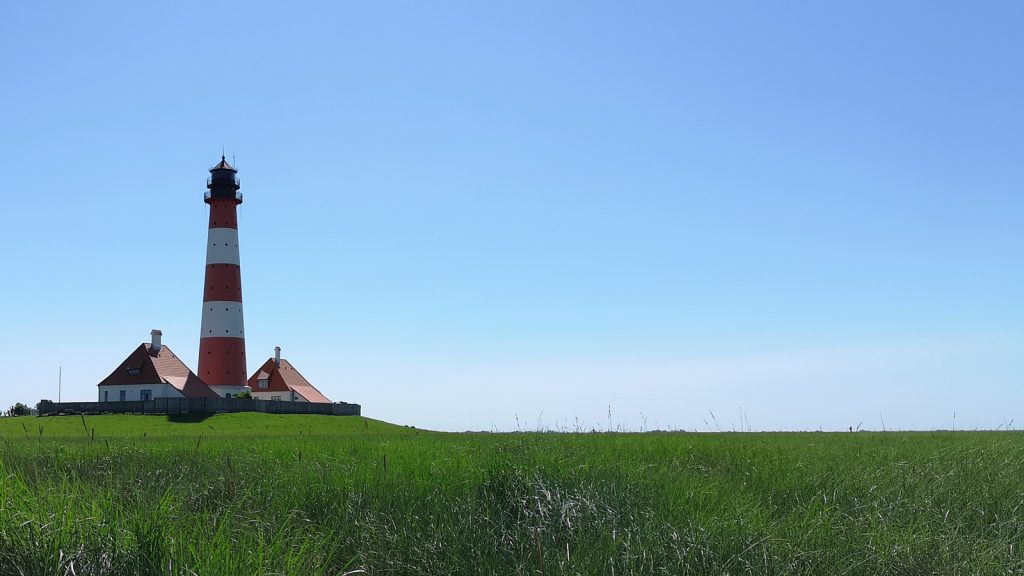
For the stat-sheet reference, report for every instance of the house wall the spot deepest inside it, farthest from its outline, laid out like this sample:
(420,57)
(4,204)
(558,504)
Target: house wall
(133,391)
(286,396)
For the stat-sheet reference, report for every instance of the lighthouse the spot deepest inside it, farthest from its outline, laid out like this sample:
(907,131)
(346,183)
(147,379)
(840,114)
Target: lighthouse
(222,341)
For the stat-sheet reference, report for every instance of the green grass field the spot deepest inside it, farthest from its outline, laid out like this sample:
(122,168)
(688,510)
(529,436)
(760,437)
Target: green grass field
(254,494)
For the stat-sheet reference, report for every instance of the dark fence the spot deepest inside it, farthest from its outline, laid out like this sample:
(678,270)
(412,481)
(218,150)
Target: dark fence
(197,406)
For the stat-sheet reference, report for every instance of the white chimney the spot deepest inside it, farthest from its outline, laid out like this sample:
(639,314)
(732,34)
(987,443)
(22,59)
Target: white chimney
(277,356)
(155,344)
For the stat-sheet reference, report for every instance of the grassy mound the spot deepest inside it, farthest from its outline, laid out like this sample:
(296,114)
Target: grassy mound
(120,427)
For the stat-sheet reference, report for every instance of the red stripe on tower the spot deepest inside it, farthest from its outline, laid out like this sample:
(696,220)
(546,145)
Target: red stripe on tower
(222,340)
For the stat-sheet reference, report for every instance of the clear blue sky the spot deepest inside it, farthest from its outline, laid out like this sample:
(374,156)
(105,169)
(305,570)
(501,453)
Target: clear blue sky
(460,213)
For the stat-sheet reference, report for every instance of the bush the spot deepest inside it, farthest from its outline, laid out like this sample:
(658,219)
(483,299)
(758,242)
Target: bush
(19,409)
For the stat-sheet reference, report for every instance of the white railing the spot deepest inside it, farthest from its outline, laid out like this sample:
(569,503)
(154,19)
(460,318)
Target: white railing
(238,196)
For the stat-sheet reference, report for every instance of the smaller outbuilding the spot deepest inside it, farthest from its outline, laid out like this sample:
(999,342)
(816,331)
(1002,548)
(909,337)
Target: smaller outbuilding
(152,371)
(277,379)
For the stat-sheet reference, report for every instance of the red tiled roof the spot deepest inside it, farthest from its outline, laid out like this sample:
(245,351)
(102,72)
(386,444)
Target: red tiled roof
(284,378)
(267,372)
(157,367)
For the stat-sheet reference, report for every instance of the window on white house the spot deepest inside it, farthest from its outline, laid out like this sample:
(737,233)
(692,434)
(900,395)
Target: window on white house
(145,394)
(106,395)
(227,394)
(275,397)
(124,395)
(263,383)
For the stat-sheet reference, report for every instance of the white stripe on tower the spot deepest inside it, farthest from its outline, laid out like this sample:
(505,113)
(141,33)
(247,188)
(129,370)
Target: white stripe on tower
(222,246)
(222,319)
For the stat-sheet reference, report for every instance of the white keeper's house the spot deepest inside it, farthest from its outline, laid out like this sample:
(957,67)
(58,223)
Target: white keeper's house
(152,371)
(277,379)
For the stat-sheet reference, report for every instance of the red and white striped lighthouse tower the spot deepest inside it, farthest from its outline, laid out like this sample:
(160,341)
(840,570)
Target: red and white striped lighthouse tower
(222,342)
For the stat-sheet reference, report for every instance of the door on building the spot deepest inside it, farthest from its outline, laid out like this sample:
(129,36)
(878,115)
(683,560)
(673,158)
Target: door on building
(106,395)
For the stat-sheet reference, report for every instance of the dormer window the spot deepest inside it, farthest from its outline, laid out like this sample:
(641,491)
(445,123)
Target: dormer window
(263,383)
